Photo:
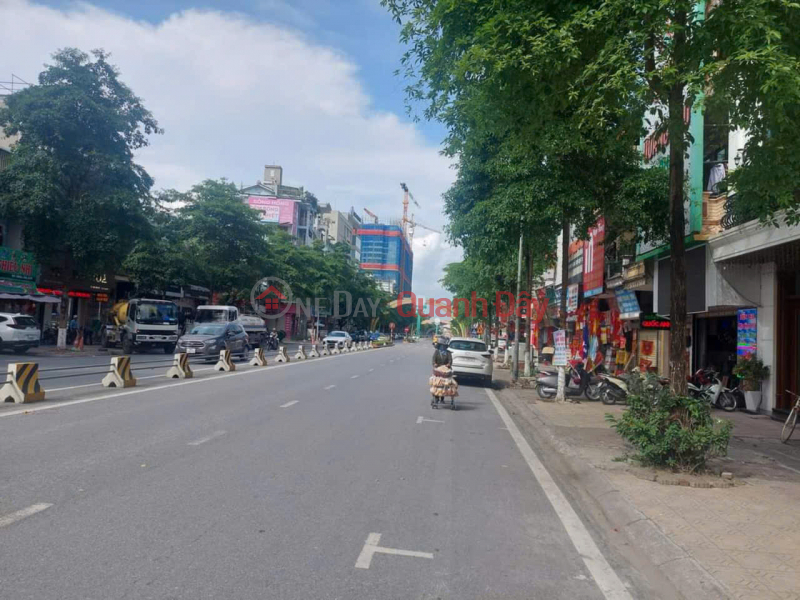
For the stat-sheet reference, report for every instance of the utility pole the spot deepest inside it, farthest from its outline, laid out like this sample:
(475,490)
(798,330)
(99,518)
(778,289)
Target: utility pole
(515,355)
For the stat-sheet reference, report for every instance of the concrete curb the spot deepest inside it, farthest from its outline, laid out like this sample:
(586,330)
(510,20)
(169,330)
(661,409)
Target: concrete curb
(684,573)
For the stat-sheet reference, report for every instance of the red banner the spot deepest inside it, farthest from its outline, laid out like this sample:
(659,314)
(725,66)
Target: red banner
(594,260)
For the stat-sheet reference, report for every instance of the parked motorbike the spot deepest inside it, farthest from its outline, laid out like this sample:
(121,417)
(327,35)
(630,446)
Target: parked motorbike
(613,389)
(714,393)
(576,384)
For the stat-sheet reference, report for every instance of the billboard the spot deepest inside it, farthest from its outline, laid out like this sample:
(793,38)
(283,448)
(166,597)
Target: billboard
(594,260)
(274,210)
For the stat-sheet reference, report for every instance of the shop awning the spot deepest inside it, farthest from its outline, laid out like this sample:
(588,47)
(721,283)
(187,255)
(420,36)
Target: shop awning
(30,297)
(16,287)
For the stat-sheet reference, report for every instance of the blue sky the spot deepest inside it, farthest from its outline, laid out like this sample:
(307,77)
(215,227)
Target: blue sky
(307,84)
(364,31)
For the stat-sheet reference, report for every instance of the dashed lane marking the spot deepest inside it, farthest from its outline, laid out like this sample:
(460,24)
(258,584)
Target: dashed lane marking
(288,404)
(208,438)
(329,387)
(24,513)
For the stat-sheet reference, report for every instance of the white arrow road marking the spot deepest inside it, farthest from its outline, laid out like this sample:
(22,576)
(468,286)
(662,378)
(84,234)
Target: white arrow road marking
(288,404)
(208,438)
(424,420)
(604,575)
(371,547)
(25,512)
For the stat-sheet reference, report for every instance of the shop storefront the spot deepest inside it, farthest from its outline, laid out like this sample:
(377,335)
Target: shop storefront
(18,291)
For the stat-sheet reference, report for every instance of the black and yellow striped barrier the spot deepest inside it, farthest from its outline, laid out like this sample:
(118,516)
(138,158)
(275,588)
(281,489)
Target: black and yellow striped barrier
(180,368)
(224,363)
(258,360)
(22,383)
(120,374)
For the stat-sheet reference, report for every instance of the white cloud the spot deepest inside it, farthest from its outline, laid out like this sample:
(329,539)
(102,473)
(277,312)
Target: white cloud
(234,94)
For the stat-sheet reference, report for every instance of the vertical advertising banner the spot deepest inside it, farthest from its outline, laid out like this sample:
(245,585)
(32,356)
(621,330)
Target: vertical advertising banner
(560,341)
(594,260)
(746,331)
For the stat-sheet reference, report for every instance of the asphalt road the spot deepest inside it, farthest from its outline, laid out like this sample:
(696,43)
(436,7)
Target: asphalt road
(85,370)
(329,478)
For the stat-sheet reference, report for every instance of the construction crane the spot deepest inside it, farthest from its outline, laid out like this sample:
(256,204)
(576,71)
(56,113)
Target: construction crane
(406,221)
(412,224)
(371,214)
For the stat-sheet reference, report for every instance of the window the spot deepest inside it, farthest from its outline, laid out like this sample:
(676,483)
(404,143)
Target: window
(26,322)
(465,345)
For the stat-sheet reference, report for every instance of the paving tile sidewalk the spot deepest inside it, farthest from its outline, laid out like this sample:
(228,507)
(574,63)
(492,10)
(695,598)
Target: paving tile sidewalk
(747,536)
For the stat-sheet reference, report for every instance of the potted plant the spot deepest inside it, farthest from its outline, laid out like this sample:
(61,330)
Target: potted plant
(752,371)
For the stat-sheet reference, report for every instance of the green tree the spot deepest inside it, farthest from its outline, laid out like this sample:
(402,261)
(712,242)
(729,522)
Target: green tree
(225,237)
(72,181)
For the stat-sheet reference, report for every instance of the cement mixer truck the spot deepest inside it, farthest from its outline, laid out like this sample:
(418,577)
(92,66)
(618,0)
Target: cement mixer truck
(142,323)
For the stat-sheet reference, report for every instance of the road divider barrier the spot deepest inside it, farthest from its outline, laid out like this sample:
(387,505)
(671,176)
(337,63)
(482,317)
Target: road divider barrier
(120,374)
(313,353)
(180,368)
(258,360)
(225,363)
(301,354)
(22,383)
(353,347)
(282,357)
(324,351)
(336,348)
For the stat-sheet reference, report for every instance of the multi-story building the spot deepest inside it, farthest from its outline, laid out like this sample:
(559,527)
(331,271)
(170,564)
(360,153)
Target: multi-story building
(387,256)
(336,226)
(288,207)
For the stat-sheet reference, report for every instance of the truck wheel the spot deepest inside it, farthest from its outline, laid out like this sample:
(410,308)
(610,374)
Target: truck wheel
(127,345)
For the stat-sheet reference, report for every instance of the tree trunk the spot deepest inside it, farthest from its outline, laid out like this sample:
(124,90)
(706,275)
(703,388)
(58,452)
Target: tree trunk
(563,303)
(678,364)
(529,313)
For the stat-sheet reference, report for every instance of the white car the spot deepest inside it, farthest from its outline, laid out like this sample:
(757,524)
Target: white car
(337,337)
(18,332)
(471,358)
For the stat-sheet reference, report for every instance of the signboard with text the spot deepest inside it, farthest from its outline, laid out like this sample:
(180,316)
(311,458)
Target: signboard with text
(746,331)
(17,264)
(560,342)
(594,260)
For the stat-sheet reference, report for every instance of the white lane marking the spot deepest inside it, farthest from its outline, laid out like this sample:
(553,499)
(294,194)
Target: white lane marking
(24,411)
(424,420)
(604,576)
(354,377)
(288,404)
(21,514)
(371,547)
(329,387)
(208,438)
(75,387)
(371,370)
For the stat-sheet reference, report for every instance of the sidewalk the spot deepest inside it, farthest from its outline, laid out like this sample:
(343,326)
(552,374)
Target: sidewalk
(747,535)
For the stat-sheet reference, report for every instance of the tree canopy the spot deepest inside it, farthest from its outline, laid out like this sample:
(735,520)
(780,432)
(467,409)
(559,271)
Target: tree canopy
(71,179)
